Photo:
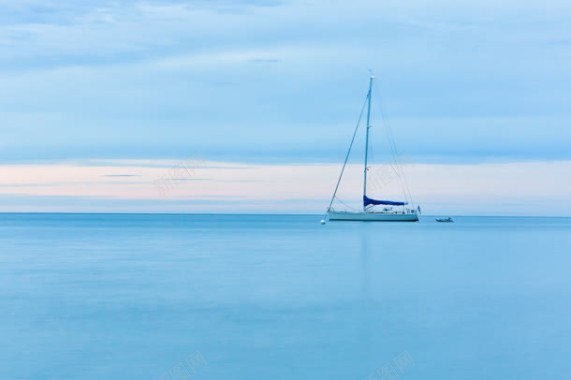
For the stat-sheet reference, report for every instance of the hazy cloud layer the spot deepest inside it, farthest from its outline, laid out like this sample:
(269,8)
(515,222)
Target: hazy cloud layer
(535,188)
(282,81)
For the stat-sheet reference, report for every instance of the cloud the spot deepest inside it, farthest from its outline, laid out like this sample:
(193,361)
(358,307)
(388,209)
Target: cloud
(120,175)
(535,188)
(282,81)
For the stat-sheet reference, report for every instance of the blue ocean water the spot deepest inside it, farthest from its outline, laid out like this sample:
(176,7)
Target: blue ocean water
(99,296)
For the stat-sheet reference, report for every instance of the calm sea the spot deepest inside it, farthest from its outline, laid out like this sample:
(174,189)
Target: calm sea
(96,296)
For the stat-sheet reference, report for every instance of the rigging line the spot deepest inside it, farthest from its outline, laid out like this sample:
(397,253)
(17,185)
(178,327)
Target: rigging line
(384,121)
(406,187)
(404,183)
(347,205)
(388,130)
(348,151)
(398,163)
(395,152)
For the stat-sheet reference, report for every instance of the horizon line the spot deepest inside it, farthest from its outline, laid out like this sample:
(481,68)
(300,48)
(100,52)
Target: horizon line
(262,214)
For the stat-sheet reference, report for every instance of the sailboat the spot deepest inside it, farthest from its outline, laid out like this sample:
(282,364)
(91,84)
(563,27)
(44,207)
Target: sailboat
(374,210)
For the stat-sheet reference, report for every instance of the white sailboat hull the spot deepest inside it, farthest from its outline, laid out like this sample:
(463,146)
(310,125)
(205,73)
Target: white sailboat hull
(371,216)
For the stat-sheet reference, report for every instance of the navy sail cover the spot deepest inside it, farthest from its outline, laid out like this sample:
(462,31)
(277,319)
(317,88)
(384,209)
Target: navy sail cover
(370,201)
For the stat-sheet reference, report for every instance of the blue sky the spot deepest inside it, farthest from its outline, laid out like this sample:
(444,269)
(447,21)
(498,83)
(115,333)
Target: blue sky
(281,82)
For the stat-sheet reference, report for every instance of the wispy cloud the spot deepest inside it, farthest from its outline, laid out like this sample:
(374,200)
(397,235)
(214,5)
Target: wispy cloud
(282,81)
(120,175)
(516,188)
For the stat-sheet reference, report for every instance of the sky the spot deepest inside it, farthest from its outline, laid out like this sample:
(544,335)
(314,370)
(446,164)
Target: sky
(103,102)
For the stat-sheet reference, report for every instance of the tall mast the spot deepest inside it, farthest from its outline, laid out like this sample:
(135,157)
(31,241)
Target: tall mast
(367,135)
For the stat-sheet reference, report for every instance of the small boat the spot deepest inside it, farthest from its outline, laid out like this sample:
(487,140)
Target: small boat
(444,220)
(388,210)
